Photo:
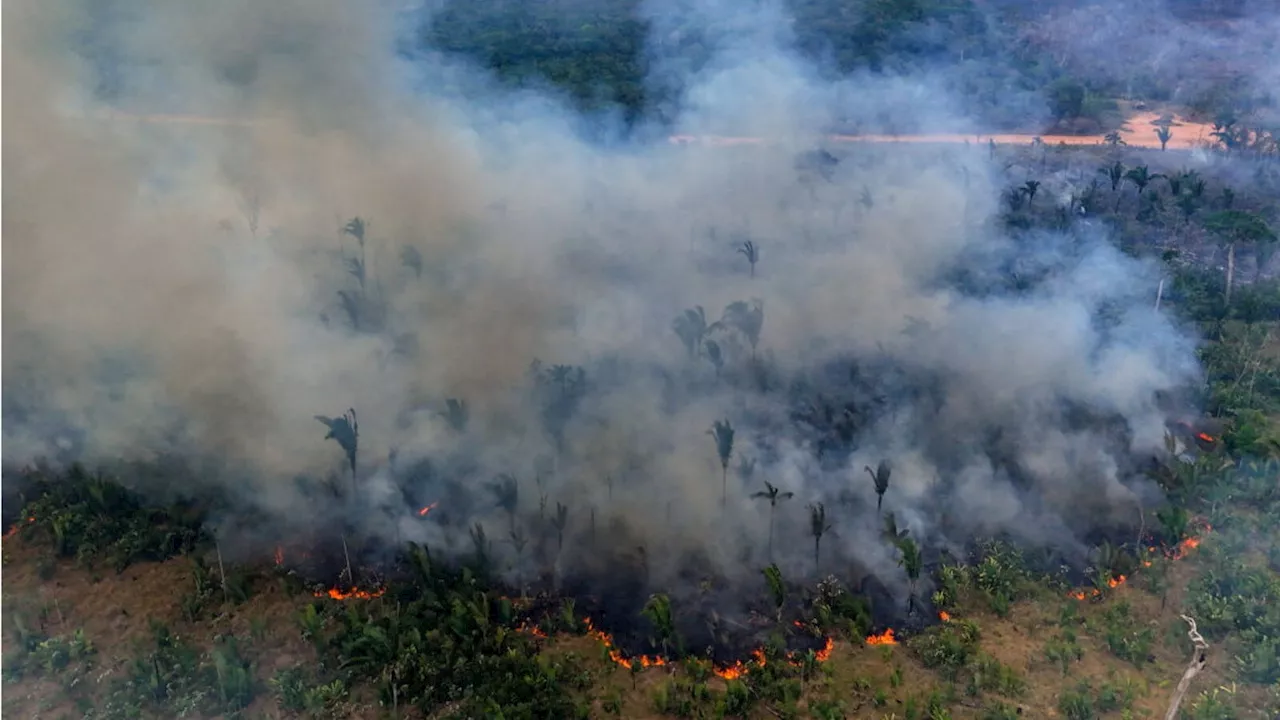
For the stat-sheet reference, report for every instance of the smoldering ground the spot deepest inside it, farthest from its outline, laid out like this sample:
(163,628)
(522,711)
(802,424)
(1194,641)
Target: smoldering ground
(200,293)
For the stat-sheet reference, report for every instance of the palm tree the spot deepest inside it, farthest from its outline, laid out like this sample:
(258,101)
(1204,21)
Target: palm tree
(1237,226)
(773,495)
(880,477)
(560,522)
(1141,177)
(506,493)
(1164,135)
(722,432)
(518,541)
(691,326)
(777,589)
(913,563)
(817,527)
(658,611)
(1114,173)
(714,356)
(345,430)
(746,318)
(751,251)
(1030,188)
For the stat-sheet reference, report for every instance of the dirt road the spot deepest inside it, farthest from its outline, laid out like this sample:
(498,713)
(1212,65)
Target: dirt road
(1139,130)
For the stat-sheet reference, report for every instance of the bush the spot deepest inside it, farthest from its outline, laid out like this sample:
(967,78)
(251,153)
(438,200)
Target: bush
(948,646)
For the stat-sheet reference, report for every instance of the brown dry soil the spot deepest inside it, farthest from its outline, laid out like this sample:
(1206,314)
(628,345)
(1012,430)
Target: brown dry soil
(115,612)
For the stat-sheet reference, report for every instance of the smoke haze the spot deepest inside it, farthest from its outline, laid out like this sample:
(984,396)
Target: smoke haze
(186,290)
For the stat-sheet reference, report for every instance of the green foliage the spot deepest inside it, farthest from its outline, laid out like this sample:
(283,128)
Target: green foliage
(34,655)
(948,646)
(1063,649)
(988,674)
(91,518)
(297,690)
(1125,636)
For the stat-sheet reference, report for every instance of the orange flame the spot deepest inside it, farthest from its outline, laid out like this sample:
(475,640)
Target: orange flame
(1116,581)
(825,653)
(884,638)
(1206,437)
(356,593)
(533,630)
(16,527)
(944,616)
(279,555)
(615,655)
(423,512)
(1177,553)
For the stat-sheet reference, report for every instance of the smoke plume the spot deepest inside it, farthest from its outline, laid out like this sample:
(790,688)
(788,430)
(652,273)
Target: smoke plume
(199,291)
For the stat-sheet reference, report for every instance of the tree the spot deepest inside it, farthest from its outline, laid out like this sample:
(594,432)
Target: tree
(560,522)
(751,252)
(345,430)
(1164,135)
(722,432)
(880,478)
(506,494)
(1114,173)
(715,356)
(1233,227)
(773,495)
(411,258)
(777,589)
(817,527)
(658,612)
(691,327)
(1030,188)
(1141,177)
(912,562)
(746,318)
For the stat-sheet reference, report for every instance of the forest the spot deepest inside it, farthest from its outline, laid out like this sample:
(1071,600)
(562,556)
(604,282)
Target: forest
(438,407)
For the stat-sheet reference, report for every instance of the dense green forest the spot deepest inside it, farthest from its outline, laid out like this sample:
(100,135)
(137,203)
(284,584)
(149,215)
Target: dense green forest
(605,54)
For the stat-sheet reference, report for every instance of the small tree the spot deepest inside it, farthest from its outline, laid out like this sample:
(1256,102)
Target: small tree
(777,589)
(912,562)
(751,252)
(746,318)
(506,494)
(880,478)
(715,356)
(1030,188)
(1164,135)
(817,527)
(345,430)
(722,432)
(658,612)
(773,495)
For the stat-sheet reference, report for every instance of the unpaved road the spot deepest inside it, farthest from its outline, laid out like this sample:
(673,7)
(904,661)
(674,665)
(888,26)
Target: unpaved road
(1139,130)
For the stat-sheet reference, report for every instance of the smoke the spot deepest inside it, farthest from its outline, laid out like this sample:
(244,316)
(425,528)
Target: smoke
(187,290)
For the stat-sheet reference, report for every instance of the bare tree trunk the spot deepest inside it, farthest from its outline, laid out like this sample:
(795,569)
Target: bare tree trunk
(1198,660)
(222,573)
(1231,272)
(1159,294)
(350,577)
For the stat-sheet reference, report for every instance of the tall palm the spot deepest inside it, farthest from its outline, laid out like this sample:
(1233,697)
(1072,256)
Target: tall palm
(817,527)
(880,478)
(911,561)
(506,494)
(345,430)
(722,432)
(1114,173)
(751,252)
(658,611)
(691,327)
(774,496)
(1164,135)
(559,523)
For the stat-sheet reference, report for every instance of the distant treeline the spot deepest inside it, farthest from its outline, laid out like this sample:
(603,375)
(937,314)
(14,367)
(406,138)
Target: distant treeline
(595,51)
